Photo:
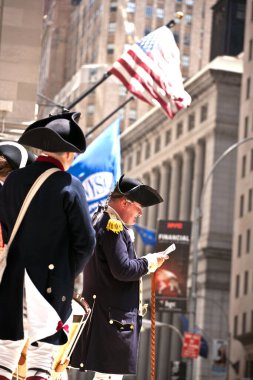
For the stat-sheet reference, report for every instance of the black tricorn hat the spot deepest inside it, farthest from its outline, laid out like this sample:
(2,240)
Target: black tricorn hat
(136,191)
(15,154)
(58,133)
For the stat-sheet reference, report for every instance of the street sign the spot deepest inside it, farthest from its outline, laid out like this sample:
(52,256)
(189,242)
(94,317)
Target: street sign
(191,345)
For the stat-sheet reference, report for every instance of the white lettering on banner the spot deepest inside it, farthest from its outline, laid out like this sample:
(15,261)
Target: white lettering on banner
(98,185)
(182,238)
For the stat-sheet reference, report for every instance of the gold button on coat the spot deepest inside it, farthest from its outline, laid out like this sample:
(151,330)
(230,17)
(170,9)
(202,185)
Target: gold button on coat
(51,266)
(63,298)
(49,290)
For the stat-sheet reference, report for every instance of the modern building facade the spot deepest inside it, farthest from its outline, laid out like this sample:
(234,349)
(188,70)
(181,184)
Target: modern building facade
(20,51)
(228,27)
(241,304)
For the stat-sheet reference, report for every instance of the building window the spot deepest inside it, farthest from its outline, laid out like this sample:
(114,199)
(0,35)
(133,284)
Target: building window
(237,286)
(112,27)
(246,126)
(250,49)
(252,11)
(240,12)
(189,2)
(243,166)
(251,327)
(239,246)
(147,150)
(187,39)
(244,322)
(203,113)
(248,238)
(251,160)
(122,90)
(160,13)
(147,30)
(129,163)
(235,325)
(149,11)
(179,129)
(130,7)
(185,60)
(113,6)
(250,200)
(110,49)
(132,114)
(90,109)
(157,144)
(246,280)
(168,137)
(176,37)
(249,369)
(241,206)
(191,121)
(188,19)
(248,88)
(138,157)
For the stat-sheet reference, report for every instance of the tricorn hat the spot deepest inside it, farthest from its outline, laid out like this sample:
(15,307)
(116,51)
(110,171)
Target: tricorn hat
(136,191)
(58,133)
(15,154)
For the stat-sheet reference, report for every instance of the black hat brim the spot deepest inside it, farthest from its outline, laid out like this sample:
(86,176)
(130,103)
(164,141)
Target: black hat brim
(14,153)
(52,135)
(144,195)
(136,191)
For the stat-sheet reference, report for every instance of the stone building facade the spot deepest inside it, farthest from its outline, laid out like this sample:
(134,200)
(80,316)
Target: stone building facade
(176,157)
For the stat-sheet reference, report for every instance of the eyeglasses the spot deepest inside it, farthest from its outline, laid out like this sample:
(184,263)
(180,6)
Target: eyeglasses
(137,205)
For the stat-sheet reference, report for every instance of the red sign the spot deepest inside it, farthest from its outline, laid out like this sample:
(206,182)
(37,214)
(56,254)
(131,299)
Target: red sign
(191,345)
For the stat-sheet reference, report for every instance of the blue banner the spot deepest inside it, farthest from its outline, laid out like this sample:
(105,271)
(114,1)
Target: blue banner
(148,237)
(98,168)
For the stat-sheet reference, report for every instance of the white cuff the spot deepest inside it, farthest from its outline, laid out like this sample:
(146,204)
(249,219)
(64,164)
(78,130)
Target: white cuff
(152,262)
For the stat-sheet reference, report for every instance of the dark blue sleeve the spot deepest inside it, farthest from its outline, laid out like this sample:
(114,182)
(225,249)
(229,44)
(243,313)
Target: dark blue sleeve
(82,231)
(116,248)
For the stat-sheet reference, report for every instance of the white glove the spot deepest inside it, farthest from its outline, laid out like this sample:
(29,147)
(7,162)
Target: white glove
(155,260)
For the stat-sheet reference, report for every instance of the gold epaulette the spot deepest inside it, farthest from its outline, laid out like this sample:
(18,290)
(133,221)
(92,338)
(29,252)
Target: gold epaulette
(114,225)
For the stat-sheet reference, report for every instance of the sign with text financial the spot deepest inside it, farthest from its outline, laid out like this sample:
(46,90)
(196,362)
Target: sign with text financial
(171,277)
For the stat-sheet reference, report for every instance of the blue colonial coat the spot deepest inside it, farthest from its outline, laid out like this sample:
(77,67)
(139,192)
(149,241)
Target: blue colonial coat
(109,343)
(54,242)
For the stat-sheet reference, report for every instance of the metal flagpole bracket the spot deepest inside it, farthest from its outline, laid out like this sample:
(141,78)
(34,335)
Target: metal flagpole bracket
(171,23)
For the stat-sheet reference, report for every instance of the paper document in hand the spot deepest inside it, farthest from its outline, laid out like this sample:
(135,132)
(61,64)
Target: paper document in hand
(170,249)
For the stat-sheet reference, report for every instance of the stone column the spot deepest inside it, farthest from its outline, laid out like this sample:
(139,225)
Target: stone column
(143,221)
(186,189)
(175,188)
(164,190)
(198,174)
(152,210)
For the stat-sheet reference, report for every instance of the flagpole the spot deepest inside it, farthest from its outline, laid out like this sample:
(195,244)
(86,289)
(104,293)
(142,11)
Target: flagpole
(170,24)
(87,92)
(110,115)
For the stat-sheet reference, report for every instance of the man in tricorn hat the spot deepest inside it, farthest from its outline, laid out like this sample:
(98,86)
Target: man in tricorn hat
(109,344)
(51,247)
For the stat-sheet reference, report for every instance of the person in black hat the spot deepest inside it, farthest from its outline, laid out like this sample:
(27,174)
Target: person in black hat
(13,156)
(109,343)
(54,242)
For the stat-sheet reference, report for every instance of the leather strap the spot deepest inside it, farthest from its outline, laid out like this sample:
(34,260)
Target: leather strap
(35,187)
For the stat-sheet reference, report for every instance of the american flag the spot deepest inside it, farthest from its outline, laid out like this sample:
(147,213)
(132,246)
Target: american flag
(150,70)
